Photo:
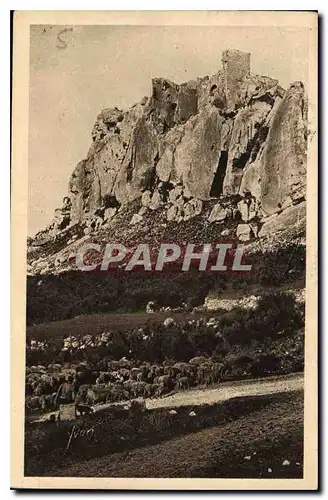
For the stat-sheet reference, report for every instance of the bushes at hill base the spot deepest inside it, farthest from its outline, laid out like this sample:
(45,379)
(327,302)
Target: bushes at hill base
(277,315)
(52,297)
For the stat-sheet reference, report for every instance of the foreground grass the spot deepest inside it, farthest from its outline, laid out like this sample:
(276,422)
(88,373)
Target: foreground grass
(214,443)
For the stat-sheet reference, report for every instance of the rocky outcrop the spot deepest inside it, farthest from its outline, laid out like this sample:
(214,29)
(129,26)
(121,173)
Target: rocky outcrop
(231,146)
(291,218)
(283,172)
(215,303)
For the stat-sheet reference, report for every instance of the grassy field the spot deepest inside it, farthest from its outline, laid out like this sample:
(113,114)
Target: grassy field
(243,437)
(95,324)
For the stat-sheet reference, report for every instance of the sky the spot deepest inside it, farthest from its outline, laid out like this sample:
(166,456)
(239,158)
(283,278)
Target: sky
(76,71)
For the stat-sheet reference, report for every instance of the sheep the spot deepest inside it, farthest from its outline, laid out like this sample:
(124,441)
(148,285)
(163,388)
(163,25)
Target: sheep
(198,360)
(118,392)
(138,388)
(165,382)
(204,373)
(98,394)
(134,372)
(183,383)
(124,373)
(33,403)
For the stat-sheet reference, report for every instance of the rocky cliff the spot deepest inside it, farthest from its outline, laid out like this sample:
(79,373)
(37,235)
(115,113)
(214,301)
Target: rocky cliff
(226,152)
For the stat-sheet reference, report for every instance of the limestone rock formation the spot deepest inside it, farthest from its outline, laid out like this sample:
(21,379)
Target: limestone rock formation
(283,171)
(227,147)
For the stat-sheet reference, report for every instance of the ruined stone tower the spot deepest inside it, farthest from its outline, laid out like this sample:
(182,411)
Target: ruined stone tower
(236,66)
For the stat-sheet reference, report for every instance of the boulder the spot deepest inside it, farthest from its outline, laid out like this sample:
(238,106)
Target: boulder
(248,209)
(106,122)
(165,167)
(136,219)
(173,213)
(146,198)
(292,219)
(243,208)
(84,191)
(218,214)
(164,101)
(244,232)
(137,169)
(192,208)
(61,219)
(150,307)
(156,201)
(186,102)
(197,360)
(175,193)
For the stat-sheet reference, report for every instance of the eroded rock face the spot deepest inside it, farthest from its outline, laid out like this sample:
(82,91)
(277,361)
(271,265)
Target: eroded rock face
(137,169)
(107,121)
(246,129)
(85,190)
(283,170)
(196,156)
(231,134)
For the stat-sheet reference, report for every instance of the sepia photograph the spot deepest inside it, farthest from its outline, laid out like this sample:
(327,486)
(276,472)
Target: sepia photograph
(164,208)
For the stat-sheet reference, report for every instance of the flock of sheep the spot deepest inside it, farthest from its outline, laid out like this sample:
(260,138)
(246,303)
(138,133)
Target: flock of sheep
(112,381)
(122,381)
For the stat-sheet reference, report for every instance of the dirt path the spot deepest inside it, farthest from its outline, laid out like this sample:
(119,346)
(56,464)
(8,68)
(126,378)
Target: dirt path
(224,391)
(230,390)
